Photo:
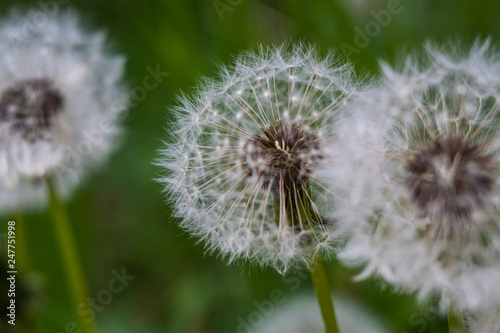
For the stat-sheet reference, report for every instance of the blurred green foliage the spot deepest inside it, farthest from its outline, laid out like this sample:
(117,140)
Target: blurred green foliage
(119,214)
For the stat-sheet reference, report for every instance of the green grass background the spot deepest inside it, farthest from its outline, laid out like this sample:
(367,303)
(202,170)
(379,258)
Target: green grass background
(119,215)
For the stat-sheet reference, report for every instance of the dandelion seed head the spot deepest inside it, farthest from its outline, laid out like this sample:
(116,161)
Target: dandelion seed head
(420,208)
(60,96)
(259,196)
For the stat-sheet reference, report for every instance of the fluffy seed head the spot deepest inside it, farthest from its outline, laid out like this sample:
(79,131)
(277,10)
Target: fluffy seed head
(60,96)
(426,217)
(242,171)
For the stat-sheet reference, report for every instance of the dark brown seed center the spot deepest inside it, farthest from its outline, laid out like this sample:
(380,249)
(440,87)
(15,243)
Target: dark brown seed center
(285,153)
(450,179)
(30,105)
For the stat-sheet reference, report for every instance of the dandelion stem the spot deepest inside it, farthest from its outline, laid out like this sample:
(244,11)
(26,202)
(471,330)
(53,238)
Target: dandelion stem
(456,322)
(68,250)
(322,288)
(304,211)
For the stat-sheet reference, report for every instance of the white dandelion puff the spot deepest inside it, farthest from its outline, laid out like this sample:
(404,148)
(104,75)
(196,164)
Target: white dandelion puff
(302,315)
(242,170)
(421,207)
(484,322)
(60,96)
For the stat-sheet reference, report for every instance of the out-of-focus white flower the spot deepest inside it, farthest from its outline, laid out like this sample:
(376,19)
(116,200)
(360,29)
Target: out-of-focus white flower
(60,96)
(484,322)
(421,205)
(242,167)
(302,315)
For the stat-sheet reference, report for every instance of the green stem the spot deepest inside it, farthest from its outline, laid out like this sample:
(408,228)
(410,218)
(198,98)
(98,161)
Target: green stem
(322,288)
(456,323)
(68,250)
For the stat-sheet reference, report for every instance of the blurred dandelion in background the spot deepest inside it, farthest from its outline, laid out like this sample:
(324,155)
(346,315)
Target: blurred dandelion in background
(60,97)
(424,216)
